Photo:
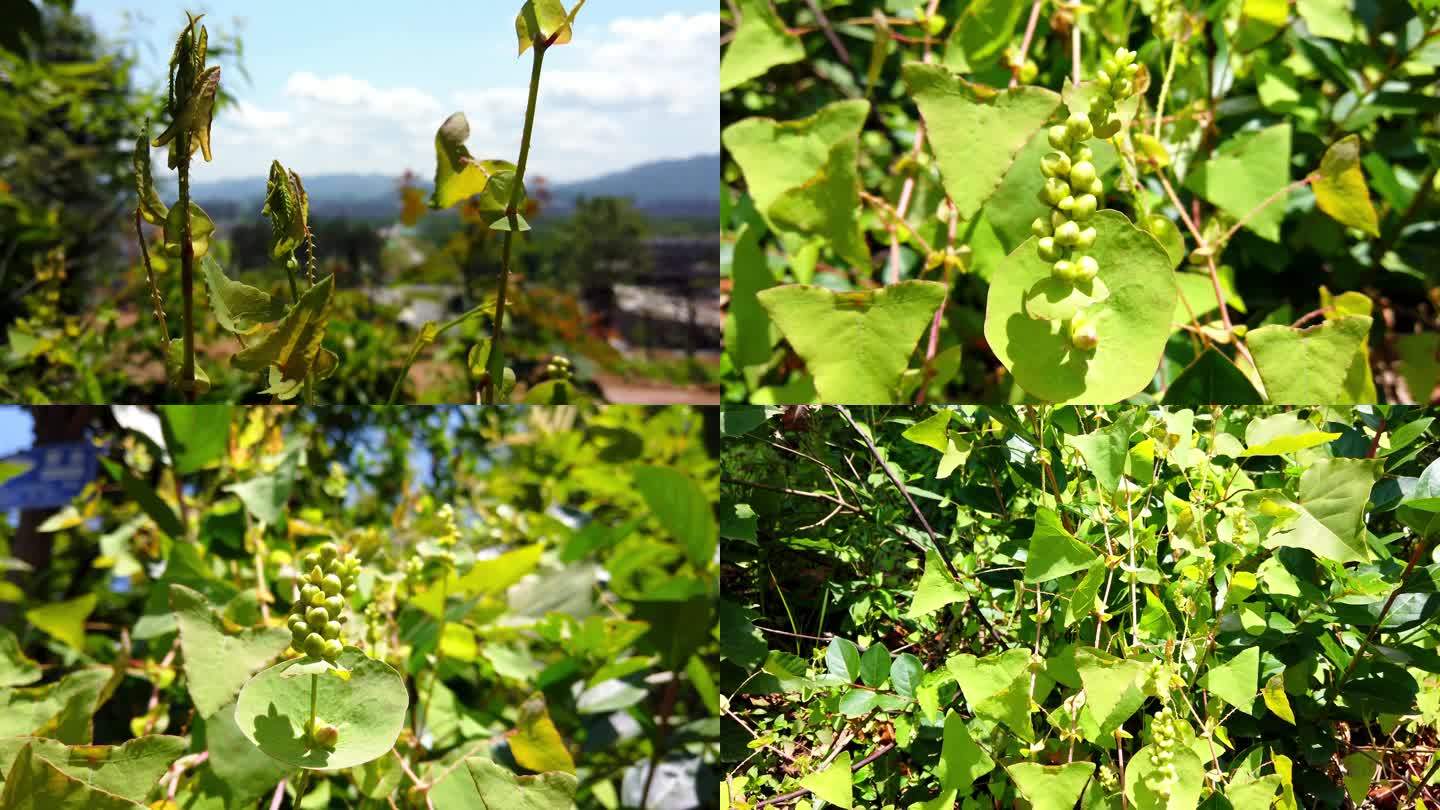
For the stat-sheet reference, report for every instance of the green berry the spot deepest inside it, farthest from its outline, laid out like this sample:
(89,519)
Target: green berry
(1082,174)
(1077,126)
(307,592)
(1084,207)
(1067,234)
(333,648)
(1029,71)
(325,736)
(1040,227)
(317,616)
(1082,333)
(1056,190)
(1047,249)
(331,585)
(1096,187)
(1086,238)
(1059,138)
(331,630)
(334,605)
(1066,204)
(1086,267)
(1063,269)
(1055,164)
(314,645)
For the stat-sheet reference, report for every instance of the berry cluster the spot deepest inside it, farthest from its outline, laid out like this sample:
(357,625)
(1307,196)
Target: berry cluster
(1073,189)
(1164,736)
(558,368)
(316,618)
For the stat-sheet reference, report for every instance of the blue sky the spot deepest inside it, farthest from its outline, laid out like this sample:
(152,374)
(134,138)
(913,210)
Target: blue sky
(362,86)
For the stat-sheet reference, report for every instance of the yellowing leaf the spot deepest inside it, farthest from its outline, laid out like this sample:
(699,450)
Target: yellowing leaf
(833,784)
(536,743)
(293,345)
(64,620)
(496,574)
(545,18)
(1274,694)
(1340,190)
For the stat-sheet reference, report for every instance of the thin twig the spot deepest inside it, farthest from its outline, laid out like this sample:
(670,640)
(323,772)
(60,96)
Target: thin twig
(829,32)
(1025,43)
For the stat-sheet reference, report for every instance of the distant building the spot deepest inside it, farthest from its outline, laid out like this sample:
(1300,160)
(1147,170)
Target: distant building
(672,304)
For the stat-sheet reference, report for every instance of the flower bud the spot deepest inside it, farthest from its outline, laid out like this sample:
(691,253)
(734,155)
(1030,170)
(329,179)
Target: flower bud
(314,645)
(1059,138)
(1082,174)
(1077,126)
(1086,267)
(1082,333)
(1040,227)
(1047,249)
(1084,207)
(1056,190)
(1055,164)
(1064,270)
(1086,238)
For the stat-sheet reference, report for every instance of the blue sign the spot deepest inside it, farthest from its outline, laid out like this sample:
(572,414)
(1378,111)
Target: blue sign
(53,474)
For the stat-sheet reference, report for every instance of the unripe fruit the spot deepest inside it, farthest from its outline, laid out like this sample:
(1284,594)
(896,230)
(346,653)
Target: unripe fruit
(294,621)
(331,630)
(1066,204)
(334,604)
(317,598)
(314,645)
(1040,227)
(1082,333)
(1047,248)
(333,648)
(1086,267)
(1084,207)
(307,592)
(1056,190)
(1077,126)
(326,736)
(1086,239)
(1059,138)
(1067,234)
(1082,174)
(1102,76)
(1055,164)
(1063,269)
(1096,187)
(317,616)
(316,575)
(331,584)
(1029,71)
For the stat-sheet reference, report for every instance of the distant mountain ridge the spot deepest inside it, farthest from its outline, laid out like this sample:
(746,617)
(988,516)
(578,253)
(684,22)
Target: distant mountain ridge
(683,187)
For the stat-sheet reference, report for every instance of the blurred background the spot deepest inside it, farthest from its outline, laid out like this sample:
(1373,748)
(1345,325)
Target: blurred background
(618,274)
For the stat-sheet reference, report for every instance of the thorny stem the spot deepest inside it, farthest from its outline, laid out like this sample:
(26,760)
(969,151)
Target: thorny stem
(497,355)
(155,299)
(187,268)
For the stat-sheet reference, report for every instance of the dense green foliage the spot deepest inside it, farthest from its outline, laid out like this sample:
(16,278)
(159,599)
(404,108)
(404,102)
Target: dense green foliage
(976,607)
(513,608)
(895,207)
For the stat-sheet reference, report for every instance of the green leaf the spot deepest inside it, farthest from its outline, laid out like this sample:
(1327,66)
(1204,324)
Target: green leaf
(1330,518)
(128,771)
(1082,600)
(536,743)
(932,431)
(760,43)
(195,435)
(1212,378)
(205,639)
(1112,689)
(1054,552)
(976,138)
(1235,681)
(842,658)
(34,783)
(1275,699)
(1051,787)
(1132,323)
(496,574)
(985,27)
(368,710)
(152,208)
(1245,171)
(749,334)
(265,496)
(961,760)
(1340,189)
(16,669)
(1015,204)
(1258,793)
(483,783)
(1260,22)
(62,710)
(1329,18)
(906,674)
(1282,433)
(801,174)
(1105,451)
(855,344)
(294,344)
(833,784)
(545,19)
(64,620)
(1306,366)
(459,176)
(201,229)
(237,306)
(1362,769)
(149,501)
(682,509)
(875,666)
(935,590)
(858,702)
(997,687)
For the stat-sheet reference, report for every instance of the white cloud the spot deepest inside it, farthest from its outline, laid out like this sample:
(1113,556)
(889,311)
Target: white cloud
(345,94)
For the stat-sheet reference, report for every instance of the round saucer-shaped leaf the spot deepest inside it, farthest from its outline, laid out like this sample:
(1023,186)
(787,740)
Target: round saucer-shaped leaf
(1058,300)
(1132,322)
(367,711)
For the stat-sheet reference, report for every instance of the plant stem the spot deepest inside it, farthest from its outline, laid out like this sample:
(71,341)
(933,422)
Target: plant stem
(1165,85)
(187,268)
(497,355)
